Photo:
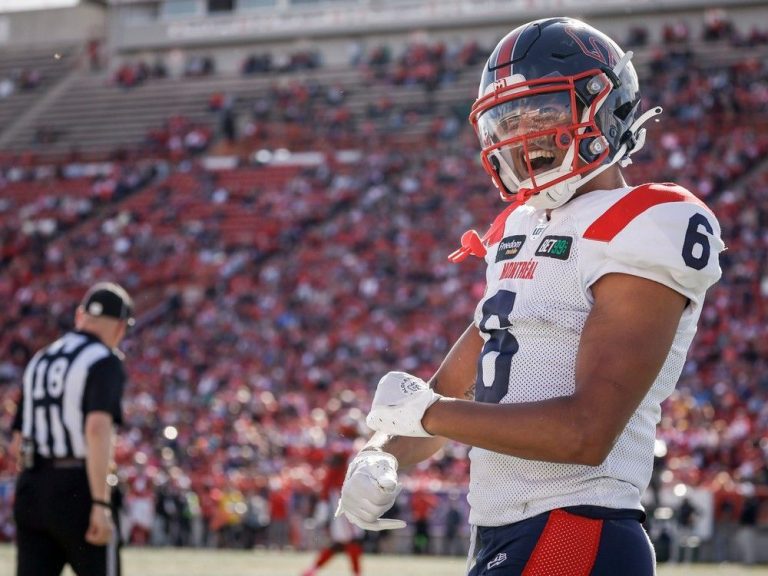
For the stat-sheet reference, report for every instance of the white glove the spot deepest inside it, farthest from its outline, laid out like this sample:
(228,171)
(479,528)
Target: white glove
(399,405)
(370,489)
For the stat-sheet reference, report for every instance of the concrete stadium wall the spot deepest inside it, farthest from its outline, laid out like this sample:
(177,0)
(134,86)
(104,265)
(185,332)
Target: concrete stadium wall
(43,28)
(130,32)
(229,39)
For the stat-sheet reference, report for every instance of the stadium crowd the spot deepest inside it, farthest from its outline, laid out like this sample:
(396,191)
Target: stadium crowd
(257,347)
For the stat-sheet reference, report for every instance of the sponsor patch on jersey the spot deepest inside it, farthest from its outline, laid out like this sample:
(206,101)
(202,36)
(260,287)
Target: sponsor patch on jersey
(555,247)
(523,270)
(509,247)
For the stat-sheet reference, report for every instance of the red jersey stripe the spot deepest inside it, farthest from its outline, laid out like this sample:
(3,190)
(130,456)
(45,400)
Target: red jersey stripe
(645,196)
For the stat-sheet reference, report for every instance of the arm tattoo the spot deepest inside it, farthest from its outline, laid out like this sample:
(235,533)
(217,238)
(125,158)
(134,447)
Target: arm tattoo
(469,394)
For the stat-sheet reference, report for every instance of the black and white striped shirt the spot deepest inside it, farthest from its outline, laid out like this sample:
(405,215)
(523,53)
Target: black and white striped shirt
(63,382)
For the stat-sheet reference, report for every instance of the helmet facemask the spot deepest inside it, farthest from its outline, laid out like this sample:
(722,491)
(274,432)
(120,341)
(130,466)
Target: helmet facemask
(540,136)
(557,107)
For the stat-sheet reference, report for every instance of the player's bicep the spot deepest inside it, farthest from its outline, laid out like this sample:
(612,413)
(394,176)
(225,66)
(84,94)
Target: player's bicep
(456,375)
(624,344)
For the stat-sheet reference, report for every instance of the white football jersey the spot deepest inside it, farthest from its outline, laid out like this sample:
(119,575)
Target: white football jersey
(537,300)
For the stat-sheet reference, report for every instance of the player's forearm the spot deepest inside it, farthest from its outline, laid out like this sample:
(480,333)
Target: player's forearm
(98,437)
(454,379)
(408,451)
(557,430)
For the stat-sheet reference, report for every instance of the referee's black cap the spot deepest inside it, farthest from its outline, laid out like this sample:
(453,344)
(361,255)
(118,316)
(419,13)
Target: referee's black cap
(109,299)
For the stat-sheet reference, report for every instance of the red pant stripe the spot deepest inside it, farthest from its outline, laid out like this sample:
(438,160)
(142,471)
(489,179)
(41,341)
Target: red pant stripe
(567,546)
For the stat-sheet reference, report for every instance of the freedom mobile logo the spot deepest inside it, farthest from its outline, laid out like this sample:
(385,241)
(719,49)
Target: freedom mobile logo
(555,247)
(509,247)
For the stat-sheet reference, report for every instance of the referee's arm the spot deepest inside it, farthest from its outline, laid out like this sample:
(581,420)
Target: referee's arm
(15,450)
(98,437)
(102,408)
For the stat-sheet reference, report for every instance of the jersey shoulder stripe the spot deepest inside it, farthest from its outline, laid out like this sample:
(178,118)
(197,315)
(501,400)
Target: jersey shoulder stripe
(640,199)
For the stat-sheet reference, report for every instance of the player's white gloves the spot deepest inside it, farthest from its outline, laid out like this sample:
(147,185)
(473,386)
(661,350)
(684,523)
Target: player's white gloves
(399,405)
(370,489)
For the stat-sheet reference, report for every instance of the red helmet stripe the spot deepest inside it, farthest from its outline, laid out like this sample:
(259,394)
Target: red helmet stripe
(506,50)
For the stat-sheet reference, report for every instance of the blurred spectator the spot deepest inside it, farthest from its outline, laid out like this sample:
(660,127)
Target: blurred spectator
(279,510)
(676,33)
(716,25)
(7,87)
(637,37)
(94,50)
(29,79)
(423,504)
(257,64)
(453,544)
(746,536)
(198,65)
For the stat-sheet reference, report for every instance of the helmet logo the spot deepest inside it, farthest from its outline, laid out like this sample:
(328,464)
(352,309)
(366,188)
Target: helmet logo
(499,84)
(597,49)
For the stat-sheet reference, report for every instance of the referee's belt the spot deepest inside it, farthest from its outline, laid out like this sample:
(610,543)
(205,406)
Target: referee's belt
(59,463)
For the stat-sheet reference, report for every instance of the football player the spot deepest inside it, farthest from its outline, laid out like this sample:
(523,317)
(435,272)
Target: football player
(594,288)
(344,536)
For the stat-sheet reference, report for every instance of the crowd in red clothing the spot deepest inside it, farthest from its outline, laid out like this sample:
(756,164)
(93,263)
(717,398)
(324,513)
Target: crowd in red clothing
(256,336)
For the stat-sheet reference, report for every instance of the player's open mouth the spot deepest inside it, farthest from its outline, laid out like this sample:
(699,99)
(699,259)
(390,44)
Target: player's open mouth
(541,160)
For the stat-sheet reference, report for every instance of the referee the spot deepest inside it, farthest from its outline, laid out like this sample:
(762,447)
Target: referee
(63,436)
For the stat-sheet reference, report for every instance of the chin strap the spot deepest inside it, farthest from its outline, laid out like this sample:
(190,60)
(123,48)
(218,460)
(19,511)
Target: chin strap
(638,134)
(619,68)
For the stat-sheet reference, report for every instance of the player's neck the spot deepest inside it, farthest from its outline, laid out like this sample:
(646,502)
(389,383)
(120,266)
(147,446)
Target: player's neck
(611,179)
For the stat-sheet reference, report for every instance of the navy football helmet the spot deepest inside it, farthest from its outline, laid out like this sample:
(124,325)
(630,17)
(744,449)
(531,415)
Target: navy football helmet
(557,105)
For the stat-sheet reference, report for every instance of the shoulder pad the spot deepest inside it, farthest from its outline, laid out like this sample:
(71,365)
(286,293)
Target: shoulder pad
(662,233)
(635,203)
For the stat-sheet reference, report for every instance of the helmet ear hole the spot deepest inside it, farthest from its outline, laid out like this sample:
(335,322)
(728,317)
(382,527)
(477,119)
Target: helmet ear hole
(495,163)
(625,109)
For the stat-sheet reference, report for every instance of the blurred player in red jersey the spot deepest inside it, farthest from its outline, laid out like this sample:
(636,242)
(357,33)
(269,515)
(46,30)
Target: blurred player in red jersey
(594,288)
(344,536)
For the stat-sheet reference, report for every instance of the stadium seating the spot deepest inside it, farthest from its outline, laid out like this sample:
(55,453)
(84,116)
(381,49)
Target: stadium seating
(272,296)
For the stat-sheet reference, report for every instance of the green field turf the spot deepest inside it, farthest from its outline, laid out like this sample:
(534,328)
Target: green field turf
(207,562)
